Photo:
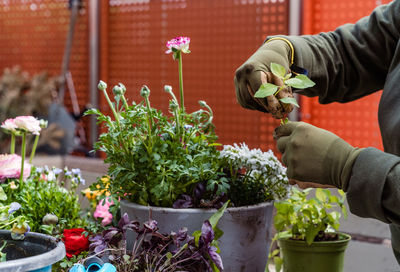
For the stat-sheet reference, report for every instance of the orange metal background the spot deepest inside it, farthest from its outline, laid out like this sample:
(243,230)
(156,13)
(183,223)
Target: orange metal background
(223,34)
(356,122)
(33,35)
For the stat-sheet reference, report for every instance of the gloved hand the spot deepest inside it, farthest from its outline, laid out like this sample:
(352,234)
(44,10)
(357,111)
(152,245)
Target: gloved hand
(313,154)
(256,70)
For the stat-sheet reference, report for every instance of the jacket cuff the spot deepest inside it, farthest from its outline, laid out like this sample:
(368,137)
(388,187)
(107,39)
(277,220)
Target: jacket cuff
(367,183)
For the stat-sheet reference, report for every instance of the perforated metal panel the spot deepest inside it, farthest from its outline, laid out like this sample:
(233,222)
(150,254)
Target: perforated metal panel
(223,34)
(33,34)
(356,122)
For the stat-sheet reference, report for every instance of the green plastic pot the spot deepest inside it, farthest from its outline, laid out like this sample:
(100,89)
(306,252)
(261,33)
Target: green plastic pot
(327,256)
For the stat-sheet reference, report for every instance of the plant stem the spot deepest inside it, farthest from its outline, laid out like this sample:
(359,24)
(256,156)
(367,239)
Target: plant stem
(181,81)
(12,149)
(34,148)
(23,151)
(111,107)
(280,89)
(125,102)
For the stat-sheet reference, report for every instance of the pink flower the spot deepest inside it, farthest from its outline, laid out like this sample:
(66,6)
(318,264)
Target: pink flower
(178,44)
(9,125)
(102,211)
(28,123)
(10,167)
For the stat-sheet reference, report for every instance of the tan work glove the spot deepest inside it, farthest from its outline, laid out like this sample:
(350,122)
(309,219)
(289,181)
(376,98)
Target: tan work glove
(256,70)
(312,154)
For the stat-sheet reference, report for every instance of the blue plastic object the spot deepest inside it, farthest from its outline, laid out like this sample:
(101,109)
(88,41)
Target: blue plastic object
(78,268)
(93,267)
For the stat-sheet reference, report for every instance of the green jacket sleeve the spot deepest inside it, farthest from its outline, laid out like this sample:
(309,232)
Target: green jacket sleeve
(353,60)
(374,187)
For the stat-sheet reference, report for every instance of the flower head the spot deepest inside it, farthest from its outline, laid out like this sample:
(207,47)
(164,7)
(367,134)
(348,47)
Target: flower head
(102,211)
(10,167)
(14,206)
(28,124)
(102,85)
(75,241)
(178,44)
(9,125)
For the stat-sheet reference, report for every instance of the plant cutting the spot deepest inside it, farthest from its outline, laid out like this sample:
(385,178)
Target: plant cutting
(307,232)
(300,81)
(171,165)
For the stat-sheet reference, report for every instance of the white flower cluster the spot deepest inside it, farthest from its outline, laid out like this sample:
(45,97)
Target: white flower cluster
(255,163)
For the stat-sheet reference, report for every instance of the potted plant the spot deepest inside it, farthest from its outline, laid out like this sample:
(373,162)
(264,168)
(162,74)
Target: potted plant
(307,232)
(22,250)
(170,167)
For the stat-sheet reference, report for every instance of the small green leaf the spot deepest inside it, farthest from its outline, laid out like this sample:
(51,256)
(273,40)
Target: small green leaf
(3,195)
(278,263)
(168,255)
(265,90)
(216,216)
(320,195)
(278,70)
(300,82)
(289,100)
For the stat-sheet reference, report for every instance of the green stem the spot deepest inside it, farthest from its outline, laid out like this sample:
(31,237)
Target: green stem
(34,148)
(111,107)
(23,151)
(181,82)
(280,89)
(12,149)
(149,120)
(125,102)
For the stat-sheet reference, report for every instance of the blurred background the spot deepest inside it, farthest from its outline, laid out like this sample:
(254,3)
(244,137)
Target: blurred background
(54,52)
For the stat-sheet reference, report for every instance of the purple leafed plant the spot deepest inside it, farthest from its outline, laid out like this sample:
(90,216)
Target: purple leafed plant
(154,251)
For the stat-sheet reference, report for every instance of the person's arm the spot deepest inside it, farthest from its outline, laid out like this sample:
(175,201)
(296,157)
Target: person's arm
(353,60)
(374,186)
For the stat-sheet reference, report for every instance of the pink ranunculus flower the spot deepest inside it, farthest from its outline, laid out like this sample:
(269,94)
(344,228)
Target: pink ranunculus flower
(179,44)
(28,123)
(9,125)
(102,211)
(10,167)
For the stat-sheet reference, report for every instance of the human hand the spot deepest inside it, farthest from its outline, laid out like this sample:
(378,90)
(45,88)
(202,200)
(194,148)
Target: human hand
(312,154)
(256,71)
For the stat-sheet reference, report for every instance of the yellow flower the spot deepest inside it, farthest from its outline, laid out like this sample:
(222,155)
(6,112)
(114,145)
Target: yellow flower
(92,195)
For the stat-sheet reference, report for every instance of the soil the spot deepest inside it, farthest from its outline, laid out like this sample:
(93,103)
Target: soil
(322,236)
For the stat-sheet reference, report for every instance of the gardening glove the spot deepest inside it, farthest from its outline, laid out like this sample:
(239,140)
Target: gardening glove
(256,71)
(313,154)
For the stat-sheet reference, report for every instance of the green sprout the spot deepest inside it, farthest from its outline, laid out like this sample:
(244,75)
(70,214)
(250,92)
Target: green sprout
(298,82)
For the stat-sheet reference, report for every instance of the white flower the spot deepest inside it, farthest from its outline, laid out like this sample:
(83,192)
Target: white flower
(9,125)
(28,123)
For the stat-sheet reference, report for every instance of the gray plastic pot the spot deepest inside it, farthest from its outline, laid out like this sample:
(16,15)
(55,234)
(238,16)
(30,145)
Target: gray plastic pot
(245,243)
(36,253)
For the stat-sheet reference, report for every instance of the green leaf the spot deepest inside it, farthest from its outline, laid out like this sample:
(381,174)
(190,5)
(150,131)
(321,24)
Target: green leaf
(300,82)
(216,216)
(265,90)
(278,263)
(3,195)
(289,100)
(320,195)
(278,70)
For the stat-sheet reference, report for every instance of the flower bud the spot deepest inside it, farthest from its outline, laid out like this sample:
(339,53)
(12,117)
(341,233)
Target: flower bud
(145,91)
(117,90)
(202,103)
(50,219)
(122,86)
(43,123)
(173,105)
(167,88)
(102,85)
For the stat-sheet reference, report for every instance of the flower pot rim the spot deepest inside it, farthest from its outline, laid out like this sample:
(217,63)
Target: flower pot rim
(190,210)
(343,238)
(37,261)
